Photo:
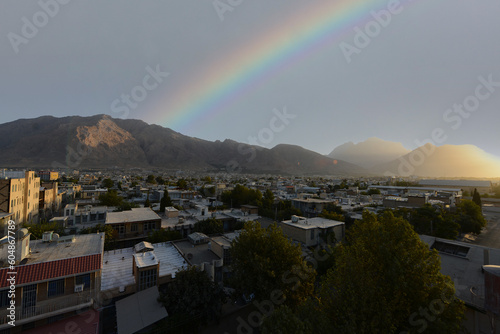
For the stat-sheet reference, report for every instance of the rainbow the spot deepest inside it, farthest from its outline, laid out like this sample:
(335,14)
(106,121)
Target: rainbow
(294,39)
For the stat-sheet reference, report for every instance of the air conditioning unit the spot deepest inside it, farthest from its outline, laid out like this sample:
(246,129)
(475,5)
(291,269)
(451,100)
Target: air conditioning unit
(79,287)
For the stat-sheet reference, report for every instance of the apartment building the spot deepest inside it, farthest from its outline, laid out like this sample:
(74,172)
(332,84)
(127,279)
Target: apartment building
(46,175)
(20,195)
(311,231)
(57,277)
(133,224)
(50,199)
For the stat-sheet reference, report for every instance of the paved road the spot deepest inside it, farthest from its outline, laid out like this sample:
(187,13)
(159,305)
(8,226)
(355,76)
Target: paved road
(490,236)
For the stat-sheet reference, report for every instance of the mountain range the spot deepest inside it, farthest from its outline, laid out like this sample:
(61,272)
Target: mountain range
(101,142)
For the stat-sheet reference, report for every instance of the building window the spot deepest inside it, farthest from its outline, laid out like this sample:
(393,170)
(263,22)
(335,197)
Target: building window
(312,234)
(56,288)
(120,228)
(147,279)
(83,279)
(134,227)
(4,298)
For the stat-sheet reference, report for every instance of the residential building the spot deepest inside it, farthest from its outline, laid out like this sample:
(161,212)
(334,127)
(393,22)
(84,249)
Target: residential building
(133,224)
(19,194)
(475,272)
(311,207)
(46,175)
(85,216)
(133,269)
(50,199)
(56,277)
(312,231)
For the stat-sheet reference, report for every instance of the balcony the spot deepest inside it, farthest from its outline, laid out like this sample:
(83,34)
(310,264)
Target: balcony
(47,308)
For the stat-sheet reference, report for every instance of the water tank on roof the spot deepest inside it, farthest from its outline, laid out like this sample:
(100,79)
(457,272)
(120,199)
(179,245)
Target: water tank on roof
(295,219)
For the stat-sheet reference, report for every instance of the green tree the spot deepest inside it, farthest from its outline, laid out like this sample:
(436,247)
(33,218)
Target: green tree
(165,201)
(476,198)
(373,191)
(384,278)
(151,179)
(265,261)
(268,199)
(108,183)
(470,217)
(163,235)
(110,234)
(192,296)
(110,198)
(37,230)
(147,203)
(209,226)
(182,184)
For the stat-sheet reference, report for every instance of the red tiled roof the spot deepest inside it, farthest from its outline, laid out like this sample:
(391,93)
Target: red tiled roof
(48,270)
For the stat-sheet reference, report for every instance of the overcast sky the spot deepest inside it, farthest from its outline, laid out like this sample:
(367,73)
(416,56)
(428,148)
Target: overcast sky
(84,55)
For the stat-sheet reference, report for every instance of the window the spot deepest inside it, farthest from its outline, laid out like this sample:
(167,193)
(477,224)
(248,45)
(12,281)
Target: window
(147,279)
(56,288)
(120,228)
(312,234)
(134,227)
(83,279)
(4,298)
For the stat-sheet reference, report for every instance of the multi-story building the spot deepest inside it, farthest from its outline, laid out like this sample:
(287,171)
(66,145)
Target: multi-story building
(310,231)
(46,175)
(133,224)
(19,194)
(56,277)
(49,200)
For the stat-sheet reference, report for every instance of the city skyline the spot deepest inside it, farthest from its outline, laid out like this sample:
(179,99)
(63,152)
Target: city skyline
(212,70)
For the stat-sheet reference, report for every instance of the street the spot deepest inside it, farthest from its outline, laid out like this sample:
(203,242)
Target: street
(490,235)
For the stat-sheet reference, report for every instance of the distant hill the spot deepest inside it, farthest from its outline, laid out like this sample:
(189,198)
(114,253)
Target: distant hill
(443,161)
(101,141)
(369,153)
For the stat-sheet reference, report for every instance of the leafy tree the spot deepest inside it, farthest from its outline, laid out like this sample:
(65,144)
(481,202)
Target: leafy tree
(242,195)
(476,198)
(385,278)
(182,184)
(108,183)
(37,230)
(284,321)
(332,215)
(110,234)
(373,191)
(194,297)
(160,180)
(265,261)
(163,235)
(268,199)
(147,203)
(470,217)
(209,226)
(165,201)
(110,198)
(151,179)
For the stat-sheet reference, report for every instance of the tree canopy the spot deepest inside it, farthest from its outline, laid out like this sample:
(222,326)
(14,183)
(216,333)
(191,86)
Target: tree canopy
(193,298)
(386,280)
(209,226)
(470,217)
(265,261)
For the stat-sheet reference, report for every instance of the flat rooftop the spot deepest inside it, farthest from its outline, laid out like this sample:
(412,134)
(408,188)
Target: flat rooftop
(463,263)
(134,215)
(316,222)
(70,247)
(117,270)
(199,253)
